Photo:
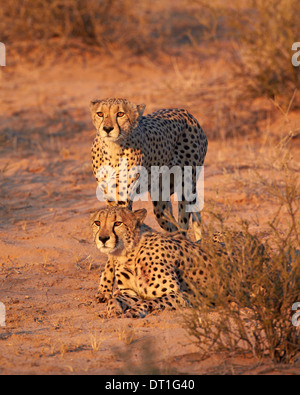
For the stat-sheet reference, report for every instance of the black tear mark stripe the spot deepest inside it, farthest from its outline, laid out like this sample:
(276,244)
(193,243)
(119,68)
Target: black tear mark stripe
(113,229)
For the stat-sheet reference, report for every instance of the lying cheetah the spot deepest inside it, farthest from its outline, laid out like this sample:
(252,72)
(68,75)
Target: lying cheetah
(171,138)
(152,271)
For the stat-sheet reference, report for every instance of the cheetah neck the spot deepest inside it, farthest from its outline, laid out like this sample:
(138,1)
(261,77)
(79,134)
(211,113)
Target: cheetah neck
(133,247)
(113,147)
(112,151)
(135,243)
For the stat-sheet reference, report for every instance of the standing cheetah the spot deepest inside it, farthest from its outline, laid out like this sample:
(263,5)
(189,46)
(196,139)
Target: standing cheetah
(152,271)
(171,138)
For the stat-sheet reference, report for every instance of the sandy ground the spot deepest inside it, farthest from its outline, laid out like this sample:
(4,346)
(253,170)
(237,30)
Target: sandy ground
(49,266)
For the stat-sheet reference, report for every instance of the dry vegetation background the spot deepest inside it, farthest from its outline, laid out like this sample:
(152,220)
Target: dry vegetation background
(228,63)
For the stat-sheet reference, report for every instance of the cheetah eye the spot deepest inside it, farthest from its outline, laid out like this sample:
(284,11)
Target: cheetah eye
(120,114)
(100,114)
(118,223)
(97,223)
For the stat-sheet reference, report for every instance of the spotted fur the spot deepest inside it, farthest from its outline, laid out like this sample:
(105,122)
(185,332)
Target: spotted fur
(151,271)
(171,137)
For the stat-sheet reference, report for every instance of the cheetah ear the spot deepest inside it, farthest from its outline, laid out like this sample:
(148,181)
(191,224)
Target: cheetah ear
(140,215)
(141,109)
(93,216)
(134,113)
(93,103)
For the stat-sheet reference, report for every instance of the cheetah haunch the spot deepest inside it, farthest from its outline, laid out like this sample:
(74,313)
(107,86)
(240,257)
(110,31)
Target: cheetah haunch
(150,271)
(171,138)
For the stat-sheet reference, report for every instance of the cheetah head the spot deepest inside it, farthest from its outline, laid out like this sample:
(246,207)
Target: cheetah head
(116,230)
(114,119)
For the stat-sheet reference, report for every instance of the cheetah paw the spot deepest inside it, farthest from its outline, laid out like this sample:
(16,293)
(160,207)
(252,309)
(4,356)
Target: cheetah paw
(102,297)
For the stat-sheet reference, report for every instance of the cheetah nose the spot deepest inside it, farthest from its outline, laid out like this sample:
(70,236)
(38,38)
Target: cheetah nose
(104,239)
(108,129)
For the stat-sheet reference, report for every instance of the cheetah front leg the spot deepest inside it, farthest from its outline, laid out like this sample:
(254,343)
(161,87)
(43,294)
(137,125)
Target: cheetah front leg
(167,302)
(184,219)
(105,289)
(183,215)
(190,205)
(163,211)
(120,303)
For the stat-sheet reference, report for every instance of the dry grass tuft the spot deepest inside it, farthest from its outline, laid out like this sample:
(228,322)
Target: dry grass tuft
(253,37)
(259,36)
(247,303)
